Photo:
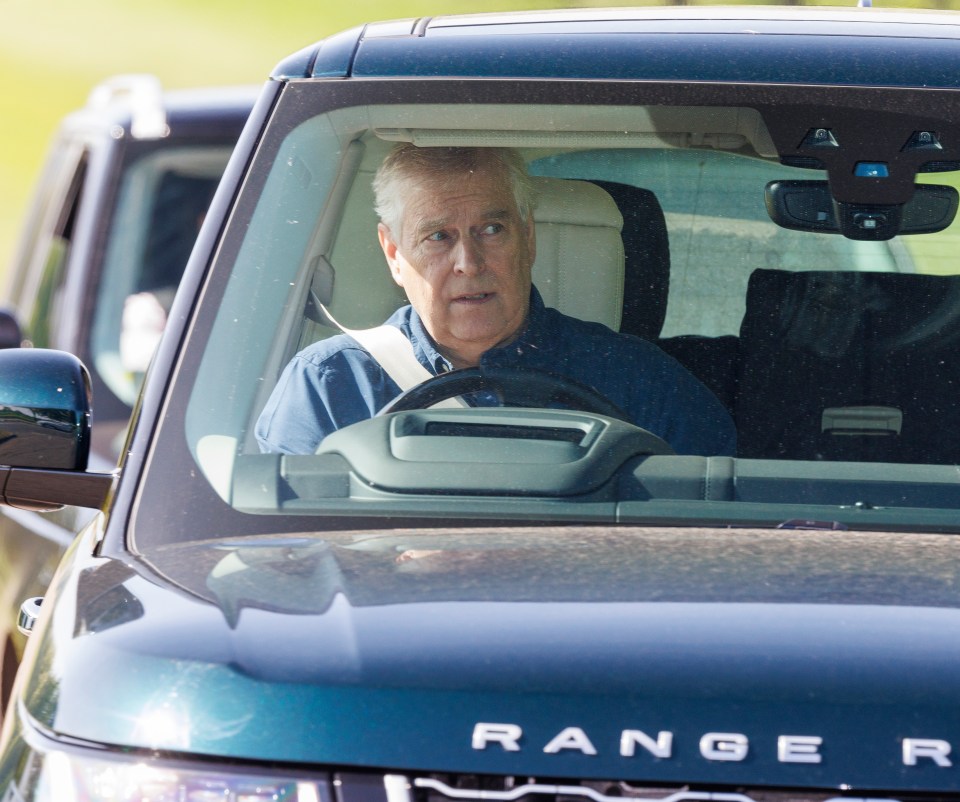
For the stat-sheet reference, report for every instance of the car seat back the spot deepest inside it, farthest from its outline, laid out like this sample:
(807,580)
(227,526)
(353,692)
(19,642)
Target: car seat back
(850,366)
(579,267)
(646,274)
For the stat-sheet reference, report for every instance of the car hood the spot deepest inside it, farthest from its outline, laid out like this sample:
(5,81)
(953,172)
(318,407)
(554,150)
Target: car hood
(389,649)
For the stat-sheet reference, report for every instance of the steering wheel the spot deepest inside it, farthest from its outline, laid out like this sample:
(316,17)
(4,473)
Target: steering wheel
(513,387)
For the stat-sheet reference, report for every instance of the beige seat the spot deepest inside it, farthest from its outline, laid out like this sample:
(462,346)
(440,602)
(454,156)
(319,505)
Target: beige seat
(579,267)
(580,260)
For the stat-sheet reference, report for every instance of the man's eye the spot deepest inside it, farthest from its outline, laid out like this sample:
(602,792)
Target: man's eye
(493,228)
(437,236)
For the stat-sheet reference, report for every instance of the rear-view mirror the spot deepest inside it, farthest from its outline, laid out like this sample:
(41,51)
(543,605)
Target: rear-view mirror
(809,206)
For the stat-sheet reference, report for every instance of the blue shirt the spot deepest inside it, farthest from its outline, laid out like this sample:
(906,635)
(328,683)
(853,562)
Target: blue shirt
(334,382)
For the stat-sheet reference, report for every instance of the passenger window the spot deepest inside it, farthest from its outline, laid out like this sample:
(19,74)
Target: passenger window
(162,202)
(55,253)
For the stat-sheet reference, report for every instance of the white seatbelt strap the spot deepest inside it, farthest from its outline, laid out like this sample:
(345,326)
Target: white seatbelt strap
(394,352)
(390,347)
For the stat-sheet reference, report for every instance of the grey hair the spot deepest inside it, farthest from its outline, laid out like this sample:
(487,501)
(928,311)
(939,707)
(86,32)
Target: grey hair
(408,163)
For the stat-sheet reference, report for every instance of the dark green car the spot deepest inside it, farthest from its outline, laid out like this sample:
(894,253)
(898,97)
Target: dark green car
(706,558)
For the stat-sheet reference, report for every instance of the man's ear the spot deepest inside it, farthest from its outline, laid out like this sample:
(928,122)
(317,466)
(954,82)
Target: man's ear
(389,246)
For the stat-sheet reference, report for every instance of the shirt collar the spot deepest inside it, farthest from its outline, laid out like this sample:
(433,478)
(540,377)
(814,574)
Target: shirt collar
(424,346)
(531,337)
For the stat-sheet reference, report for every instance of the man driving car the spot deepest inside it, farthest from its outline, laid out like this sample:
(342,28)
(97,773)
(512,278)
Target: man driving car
(458,233)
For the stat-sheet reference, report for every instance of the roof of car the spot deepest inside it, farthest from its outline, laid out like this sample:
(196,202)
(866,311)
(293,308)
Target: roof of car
(851,46)
(138,106)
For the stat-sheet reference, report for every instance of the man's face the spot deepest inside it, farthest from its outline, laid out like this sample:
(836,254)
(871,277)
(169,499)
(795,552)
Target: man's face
(464,256)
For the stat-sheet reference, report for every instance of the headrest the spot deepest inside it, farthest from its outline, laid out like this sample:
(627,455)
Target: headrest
(578,269)
(579,264)
(646,247)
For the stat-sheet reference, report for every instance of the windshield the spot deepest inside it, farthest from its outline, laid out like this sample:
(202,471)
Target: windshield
(627,336)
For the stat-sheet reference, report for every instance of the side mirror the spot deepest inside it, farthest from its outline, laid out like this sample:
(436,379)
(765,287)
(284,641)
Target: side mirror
(10,334)
(809,206)
(45,416)
(44,409)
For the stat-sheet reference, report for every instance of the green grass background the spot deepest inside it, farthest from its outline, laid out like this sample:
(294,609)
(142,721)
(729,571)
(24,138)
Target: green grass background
(52,52)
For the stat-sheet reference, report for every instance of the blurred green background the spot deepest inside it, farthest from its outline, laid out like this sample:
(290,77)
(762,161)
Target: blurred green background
(52,53)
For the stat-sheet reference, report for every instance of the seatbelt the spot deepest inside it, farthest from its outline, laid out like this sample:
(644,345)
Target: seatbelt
(394,352)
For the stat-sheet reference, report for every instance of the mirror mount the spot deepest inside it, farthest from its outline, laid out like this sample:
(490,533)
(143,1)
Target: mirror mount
(863,221)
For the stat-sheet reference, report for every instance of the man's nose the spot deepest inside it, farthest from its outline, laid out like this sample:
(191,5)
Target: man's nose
(468,258)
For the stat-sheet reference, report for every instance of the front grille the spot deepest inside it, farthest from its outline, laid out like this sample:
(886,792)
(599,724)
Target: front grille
(481,788)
